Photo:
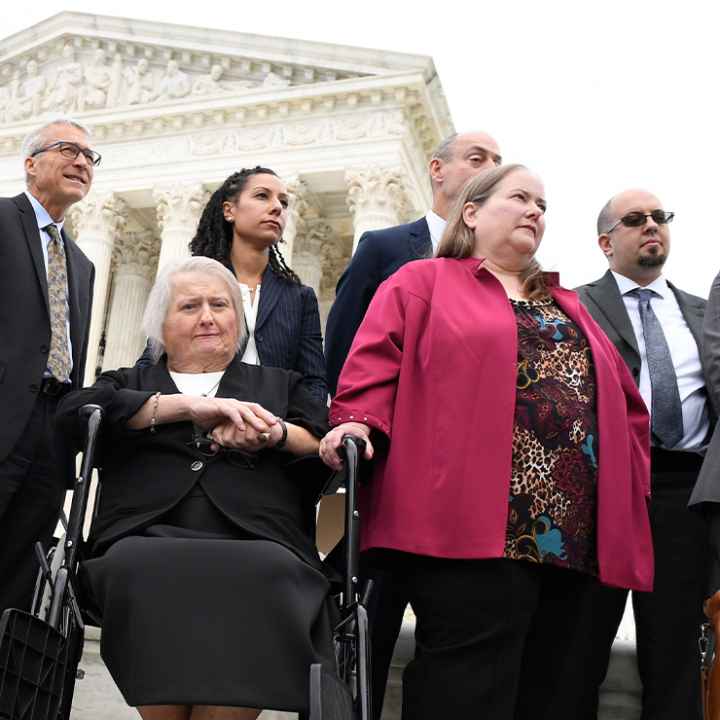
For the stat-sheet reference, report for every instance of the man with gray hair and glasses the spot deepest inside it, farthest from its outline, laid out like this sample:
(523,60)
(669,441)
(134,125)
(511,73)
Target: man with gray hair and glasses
(46,289)
(379,254)
(657,329)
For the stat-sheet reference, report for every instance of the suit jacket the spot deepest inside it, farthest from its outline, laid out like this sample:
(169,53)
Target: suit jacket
(433,370)
(145,473)
(604,302)
(707,487)
(25,318)
(287,332)
(379,254)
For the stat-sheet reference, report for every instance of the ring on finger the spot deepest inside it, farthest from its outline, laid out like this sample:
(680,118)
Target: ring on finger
(264,437)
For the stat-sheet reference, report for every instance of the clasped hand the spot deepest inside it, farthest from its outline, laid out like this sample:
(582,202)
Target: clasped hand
(236,424)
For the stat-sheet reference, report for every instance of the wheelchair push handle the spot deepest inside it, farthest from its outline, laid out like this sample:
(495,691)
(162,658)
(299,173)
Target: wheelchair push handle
(354,448)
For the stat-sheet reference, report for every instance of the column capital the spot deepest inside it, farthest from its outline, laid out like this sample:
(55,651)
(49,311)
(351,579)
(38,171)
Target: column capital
(137,253)
(179,205)
(99,214)
(377,189)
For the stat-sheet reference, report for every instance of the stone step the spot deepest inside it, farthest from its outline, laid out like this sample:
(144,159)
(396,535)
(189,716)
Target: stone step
(97,697)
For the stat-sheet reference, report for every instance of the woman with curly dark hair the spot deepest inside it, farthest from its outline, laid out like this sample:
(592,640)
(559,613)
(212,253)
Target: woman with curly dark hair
(241,227)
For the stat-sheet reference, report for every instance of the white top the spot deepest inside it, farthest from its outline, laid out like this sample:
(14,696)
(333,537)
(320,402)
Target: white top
(250,305)
(42,216)
(684,353)
(197,383)
(437,228)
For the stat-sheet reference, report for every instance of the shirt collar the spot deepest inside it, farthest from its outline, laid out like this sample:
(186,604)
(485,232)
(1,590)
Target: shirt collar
(626,285)
(437,227)
(41,214)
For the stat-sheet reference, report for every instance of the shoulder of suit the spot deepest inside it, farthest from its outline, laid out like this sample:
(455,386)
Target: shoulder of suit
(391,234)
(418,277)
(690,298)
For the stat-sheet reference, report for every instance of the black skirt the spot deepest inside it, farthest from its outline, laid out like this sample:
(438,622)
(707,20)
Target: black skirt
(195,611)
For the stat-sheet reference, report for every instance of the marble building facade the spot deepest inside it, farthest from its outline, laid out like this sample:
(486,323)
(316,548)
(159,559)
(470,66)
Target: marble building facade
(174,110)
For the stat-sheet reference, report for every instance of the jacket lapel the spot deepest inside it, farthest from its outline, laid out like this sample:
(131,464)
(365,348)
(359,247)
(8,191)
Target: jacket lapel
(419,240)
(75,302)
(693,311)
(32,238)
(606,295)
(270,291)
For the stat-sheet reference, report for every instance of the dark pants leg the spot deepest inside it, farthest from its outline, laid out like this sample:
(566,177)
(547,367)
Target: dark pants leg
(386,608)
(31,496)
(668,619)
(489,632)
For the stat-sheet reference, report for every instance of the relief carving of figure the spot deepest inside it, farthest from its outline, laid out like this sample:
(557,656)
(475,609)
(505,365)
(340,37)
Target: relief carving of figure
(63,95)
(97,81)
(26,98)
(140,83)
(175,83)
(273,80)
(209,83)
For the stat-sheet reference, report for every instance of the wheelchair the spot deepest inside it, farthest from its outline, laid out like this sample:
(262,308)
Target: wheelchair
(40,650)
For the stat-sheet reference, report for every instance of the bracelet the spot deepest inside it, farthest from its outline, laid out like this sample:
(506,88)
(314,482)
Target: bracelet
(153,419)
(280,444)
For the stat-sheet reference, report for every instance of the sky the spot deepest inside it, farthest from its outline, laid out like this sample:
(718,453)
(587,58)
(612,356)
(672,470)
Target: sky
(594,97)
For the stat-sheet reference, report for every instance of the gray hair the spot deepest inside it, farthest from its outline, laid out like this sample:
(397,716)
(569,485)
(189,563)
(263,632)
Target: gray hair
(444,151)
(161,294)
(605,218)
(34,140)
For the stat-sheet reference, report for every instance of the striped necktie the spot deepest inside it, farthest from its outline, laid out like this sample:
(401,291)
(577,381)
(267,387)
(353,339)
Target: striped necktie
(666,412)
(59,358)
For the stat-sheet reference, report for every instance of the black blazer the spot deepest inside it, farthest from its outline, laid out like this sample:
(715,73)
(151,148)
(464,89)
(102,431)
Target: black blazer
(379,254)
(25,318)
(144,474)
(287,332)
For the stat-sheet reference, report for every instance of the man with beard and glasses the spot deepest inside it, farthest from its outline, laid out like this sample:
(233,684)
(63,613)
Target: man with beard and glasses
(657,329)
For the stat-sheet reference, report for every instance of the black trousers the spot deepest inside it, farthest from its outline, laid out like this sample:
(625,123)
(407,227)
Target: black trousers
(32,490)
(492,636)
(667,620)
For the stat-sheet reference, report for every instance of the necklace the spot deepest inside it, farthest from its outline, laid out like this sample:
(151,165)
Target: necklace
(207,392)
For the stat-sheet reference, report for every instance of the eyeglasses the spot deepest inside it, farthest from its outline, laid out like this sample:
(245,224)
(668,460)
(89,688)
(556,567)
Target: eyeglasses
(637,219)
(210,450)
(71,150)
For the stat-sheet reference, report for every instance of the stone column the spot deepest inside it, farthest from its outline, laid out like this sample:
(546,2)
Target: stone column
(178,211)
(308,255)
(377,199)
(136,262)
(295,226)
(97,221)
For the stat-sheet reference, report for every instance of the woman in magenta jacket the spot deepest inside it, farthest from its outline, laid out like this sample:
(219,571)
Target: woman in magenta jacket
(511,459)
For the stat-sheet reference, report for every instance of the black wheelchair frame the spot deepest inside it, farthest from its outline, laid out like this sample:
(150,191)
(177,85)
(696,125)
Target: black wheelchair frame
(40,650)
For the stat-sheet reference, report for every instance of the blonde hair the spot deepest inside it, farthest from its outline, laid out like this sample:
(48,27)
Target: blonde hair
(458,240)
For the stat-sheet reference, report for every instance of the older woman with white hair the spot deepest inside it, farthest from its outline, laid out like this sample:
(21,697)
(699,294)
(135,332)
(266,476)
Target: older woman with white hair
(203,566)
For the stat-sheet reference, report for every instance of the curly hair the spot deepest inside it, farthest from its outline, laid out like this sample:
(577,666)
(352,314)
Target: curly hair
(214,234)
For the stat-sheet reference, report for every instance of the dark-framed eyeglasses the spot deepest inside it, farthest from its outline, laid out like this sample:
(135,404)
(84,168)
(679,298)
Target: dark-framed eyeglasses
(209,449)
(71,150)
(637,219)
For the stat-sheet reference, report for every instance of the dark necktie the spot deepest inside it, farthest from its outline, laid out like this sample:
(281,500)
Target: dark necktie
(59,357)
(666,412)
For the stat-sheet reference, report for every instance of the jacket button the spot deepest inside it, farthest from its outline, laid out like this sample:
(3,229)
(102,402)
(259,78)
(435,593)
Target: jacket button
(636,371)
(44,349)
(197,465)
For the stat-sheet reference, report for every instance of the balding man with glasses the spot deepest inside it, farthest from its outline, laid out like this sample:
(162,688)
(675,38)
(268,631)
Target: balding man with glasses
(46,289)
(657,329)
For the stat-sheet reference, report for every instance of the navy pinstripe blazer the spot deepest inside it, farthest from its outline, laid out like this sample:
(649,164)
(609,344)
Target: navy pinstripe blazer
(287,332)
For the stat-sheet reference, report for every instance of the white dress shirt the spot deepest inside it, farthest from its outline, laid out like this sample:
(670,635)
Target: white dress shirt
(42,216)
(250,306)
(684,354)
(437,228)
